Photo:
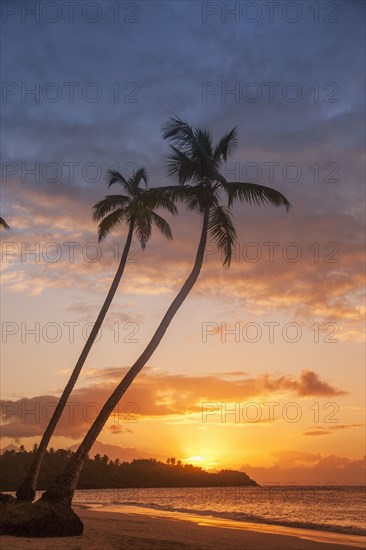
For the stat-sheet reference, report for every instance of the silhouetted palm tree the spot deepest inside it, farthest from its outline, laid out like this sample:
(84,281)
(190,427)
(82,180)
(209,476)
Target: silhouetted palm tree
(195,159)
(3,223)
(136,207)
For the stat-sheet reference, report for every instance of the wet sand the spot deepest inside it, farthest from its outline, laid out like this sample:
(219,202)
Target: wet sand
(143,529)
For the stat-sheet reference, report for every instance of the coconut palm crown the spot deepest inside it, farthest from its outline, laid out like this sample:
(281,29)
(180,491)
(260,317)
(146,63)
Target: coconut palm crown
(197,161)
(136,206)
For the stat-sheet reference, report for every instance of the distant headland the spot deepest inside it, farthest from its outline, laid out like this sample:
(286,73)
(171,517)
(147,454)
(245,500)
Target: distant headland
(101,472)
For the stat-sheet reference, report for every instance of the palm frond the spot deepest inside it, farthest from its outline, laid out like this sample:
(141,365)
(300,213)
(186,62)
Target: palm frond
(3,223)
(219,178)
(140,174)
(162,225)
(157,197)
(179,162)
(107,224)
(255,194)
(226,144)
(193,203)
(116,177)
(174,193)
(222,230)
(192,196)
(178,132)
(109,203)
(203,143)
(143,226)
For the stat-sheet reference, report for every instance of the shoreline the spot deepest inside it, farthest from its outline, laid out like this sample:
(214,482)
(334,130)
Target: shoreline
(144,528)
(220,520)
(328,537)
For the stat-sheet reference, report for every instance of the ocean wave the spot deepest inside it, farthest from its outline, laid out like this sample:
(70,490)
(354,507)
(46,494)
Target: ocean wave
(240,516)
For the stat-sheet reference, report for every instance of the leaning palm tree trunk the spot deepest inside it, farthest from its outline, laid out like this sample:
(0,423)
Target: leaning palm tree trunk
(64,487)
(27,489)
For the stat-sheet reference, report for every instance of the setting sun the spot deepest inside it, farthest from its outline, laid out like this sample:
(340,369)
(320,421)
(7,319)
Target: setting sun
(194,459)
(207,461)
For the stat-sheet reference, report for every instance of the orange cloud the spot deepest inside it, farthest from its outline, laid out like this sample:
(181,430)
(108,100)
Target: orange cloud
(317,432)
(151,394)
(326,283)
(328,431)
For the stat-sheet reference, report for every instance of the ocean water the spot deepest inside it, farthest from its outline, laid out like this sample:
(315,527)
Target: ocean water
(337,509)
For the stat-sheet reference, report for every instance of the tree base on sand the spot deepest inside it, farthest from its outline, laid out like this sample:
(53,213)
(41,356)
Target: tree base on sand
(42,519)
(25,493)
(5,498)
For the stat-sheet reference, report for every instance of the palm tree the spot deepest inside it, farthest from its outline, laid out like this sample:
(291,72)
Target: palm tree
(195,159)
(3,223)
(135,207)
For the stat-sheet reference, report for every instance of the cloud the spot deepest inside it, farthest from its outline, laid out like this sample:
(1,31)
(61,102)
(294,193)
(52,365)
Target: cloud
(305,468)
(87,312)
(236,373)
(325,284)
(330,429)
(345,426)
(322,137)
(310,384)
(151,395)
(317,432)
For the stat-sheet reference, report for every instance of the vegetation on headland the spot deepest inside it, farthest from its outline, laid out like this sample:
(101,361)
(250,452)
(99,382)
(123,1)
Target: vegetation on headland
(101,472)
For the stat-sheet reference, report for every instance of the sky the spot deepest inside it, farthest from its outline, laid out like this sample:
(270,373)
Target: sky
(263,367)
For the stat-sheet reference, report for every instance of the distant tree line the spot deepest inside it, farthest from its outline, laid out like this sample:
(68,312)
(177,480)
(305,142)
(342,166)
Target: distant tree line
(101,472)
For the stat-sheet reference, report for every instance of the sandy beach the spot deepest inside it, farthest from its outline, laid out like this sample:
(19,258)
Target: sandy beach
(142,531)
